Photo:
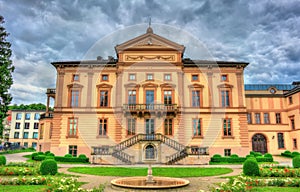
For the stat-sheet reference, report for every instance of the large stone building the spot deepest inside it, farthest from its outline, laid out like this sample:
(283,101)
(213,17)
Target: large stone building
(153,105)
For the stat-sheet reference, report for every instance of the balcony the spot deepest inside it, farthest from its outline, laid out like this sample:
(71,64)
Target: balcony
(142,109)
(46,115)
(51,91)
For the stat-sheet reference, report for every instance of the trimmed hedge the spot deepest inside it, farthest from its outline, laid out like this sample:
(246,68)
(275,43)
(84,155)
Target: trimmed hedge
(2,160)
(236,159)
(296,161)
(250,167)
(48,167)
(290,154)
(62,159)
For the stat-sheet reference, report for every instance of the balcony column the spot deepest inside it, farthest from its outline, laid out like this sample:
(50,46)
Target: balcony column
(60,83)
(210,89)
(119,77)
(240,88)
(181,88)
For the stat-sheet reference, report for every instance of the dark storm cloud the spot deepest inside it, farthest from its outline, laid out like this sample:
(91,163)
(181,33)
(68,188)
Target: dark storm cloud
(264,33)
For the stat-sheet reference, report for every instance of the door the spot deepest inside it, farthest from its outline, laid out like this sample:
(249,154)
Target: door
(259,143)
(149,129)
(149,99)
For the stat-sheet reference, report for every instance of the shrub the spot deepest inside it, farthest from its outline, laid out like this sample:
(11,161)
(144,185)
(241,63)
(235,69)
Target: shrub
(217,155)
(295,153)
(50,154)
(48,166)
(82,156)
(296,161)
(40,153)
(68,155)
(256,154)
(250,167)
(252,153)
(268,155)
(39,157)
(47,152)
(2,160)
(49,157)
(33,155)
(234,155)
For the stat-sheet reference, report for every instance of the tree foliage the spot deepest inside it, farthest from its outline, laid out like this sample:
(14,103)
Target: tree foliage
(6,69)
(34,106)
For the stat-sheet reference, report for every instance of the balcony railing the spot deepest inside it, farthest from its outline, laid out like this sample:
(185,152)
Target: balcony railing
(46,115)
(150,107)
(51,91)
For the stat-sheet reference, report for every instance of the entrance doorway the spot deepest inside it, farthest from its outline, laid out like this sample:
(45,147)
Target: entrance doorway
(259,143)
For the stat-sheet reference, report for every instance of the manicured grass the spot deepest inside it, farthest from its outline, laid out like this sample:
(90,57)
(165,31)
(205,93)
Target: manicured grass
(275,189)
(157,171)
(22,188)
(240,163)
(17,151)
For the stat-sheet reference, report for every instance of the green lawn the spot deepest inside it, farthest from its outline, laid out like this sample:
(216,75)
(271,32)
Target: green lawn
(22,188)
(240,163)
(157,171)
(275,189)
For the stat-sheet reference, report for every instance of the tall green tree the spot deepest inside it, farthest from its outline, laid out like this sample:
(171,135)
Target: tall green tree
(6,69)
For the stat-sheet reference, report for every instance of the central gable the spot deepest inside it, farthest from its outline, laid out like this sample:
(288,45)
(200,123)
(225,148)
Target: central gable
(149,47)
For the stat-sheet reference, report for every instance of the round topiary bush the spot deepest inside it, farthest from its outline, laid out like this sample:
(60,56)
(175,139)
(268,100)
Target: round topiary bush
(48,167)
(82,156)
(40,153)
(2,160)
(257,154)
(47,152)
(68,155)
(268,155)
(295,153)
(34,155)
(250,167)
(217,155)
(296,161)
(50,154)
(234,155)
(49,157)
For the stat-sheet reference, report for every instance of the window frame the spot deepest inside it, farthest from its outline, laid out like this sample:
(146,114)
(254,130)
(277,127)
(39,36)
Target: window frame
(292,121)
(167,74)
(18,116)
(72,127)
(27,116)
(103,76)
(74,87)
(35,125)
(227,152)
(104,87)
(195,80)
(168,126)
(131,126)
(73,149)
(149,74)
(196,124)
(35,135)
(249,118)
(257,120)
(226,78)
(196,87)
(37,116)
(295,144)
(278,118)
(103,122)
(26,125)
(27,135)
(16,135)
(266,118)
(280,141)
(75,78)
(132,74)
(227,127)
(290,98)
(19,125)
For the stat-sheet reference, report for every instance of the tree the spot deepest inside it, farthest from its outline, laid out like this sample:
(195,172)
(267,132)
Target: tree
(6,69)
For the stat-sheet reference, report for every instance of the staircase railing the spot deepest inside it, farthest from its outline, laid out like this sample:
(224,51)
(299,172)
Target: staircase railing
(177,156)
(123,156)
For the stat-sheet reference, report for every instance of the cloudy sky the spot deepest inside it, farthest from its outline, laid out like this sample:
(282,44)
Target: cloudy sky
(264,33)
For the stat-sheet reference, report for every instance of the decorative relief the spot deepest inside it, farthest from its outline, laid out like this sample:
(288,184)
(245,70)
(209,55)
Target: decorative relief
(149,57)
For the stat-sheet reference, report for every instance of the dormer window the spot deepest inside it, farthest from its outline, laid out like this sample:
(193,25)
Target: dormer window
(224,77)
(75,77)
(195,77)
(104,78)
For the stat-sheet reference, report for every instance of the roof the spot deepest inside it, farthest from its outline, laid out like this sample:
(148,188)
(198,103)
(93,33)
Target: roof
(263,87)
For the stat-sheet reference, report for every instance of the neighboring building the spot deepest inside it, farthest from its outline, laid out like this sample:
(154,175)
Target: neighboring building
(6,126)
(25,127)
(152,105)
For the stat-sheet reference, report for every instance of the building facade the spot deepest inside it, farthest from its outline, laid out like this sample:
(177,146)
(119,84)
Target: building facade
(153,105)
(24,128)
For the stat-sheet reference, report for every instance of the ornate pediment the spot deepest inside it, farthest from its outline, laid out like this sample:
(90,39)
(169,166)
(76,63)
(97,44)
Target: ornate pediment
(149,41)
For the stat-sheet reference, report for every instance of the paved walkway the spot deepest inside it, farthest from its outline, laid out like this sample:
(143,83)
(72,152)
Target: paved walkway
(196,183)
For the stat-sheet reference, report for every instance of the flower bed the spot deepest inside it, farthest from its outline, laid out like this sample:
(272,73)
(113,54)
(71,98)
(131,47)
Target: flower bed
(16,171)
(279,172)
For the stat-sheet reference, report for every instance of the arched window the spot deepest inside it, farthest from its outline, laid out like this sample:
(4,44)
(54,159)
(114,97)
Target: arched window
(150,152)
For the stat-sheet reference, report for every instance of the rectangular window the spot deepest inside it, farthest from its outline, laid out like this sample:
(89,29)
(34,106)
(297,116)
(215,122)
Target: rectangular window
(104,78)
(26,125)
(278,118)
(280,140)
(167,77)
(35,135)
(75,98)
(227,127)
(26,144)
(33,145)
(41,131)
(19,116)
(249,118)
(36,125)
(103,98)
(167,97)
(227,152)
(150,76)
(36,116)
(224,77)
(73,150)
(295,145)
(132,77)
(16,135)
(257,118)
(132,97)
(27,116)
(225,98)
(131,126)
(168,126)
(25,135)
(102,127)
(292,123)
(197,127)
(73,127)
(75,77)
(290,100)
(266,118)
(196,98)
(195,77)
(18,125)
